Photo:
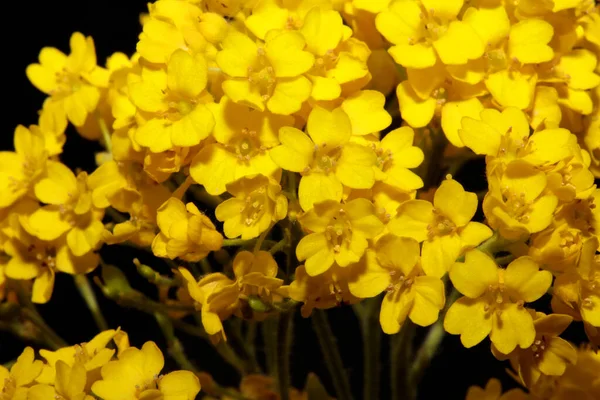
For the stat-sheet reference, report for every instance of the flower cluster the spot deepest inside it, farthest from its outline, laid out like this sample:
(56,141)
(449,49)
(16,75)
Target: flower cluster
(106,366)
(258,140)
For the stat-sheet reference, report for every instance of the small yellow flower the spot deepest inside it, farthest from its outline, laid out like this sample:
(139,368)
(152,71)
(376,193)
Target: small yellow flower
(518,203)
(185,232)
(135,375)
(324,291)
(339,234)
(69,211)
(173,103)
(325,156)
(578,286)
(557,247)
(493,301)
(268,76)
(13,383)
(74,81)
(20,169)
(393,266)
(548,355)
(423,30)
(39,260)
(91,356)
(70,384)
(256,204)
(243,137)
(493,391)
(444,227)
(218,296)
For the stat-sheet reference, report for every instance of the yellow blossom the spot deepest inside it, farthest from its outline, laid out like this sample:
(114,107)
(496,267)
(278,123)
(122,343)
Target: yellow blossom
(327,290)
(74,81)
(268,76)
(393,266)
(444,227)
(40,260)
(173,103)
(548,355)
(91,356)
(493,301)
(69,211)
(19,170)
(185,232)
(493,391)
(423,30)
(325,156)
(135,375)
(14,383)
(256,204)
(70,384)
(243,137)
(339,234)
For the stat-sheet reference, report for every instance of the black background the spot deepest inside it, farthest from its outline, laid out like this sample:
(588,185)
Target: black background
(114,25)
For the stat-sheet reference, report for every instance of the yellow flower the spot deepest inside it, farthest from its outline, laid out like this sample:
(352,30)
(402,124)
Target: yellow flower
(327,290)
(173,103)
(393,266)
(339,234)
(90,356)
(577,287)
(423,30)
(269,76)
(444,227)
(548,355)
(395,155)
(557,247)
(185,232)
(39,260)
(518,204)
(69,211)
(493,391)
(125,187)
(70,384)
(73,81)
(22,373)
(135,375)
(580,380)
(52,124)
(326,157)
(279,14)
(218,298)
(493,301)
(19,170)
(340,65)
(256,204)
(243,137)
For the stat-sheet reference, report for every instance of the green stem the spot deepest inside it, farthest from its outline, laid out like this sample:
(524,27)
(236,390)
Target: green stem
(105,133)
(284,341)
(174,346)
(279,246)
(239,345)
(87,292)
(401,354)
(429,347)
(368,316)
(269,332)
(331,355)
(30,312)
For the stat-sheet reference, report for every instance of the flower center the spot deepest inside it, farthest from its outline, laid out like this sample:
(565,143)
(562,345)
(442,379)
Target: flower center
(325,159)
(262,76)
(441,225)
(516,205)
(255,206)
(66,83)
(247,145)
(45,257)
(435,28)
(338,231)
